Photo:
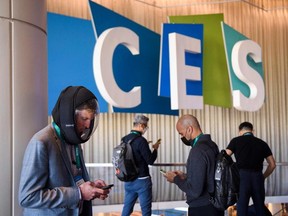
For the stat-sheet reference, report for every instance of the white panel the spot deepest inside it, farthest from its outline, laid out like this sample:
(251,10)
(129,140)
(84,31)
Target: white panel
(5,119)
(29,84)
(31,11)
(5,8)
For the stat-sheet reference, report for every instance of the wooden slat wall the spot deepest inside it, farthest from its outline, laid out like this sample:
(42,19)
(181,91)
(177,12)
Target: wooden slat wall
(269,28)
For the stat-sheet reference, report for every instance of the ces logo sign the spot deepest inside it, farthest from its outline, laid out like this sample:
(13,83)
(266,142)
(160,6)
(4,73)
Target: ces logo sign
(197,60)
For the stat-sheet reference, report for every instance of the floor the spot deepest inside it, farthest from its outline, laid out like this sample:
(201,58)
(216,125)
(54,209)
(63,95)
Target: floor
(275,209)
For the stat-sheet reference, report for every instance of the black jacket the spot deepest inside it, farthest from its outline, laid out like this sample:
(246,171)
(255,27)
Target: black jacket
(200,172)
(141,152)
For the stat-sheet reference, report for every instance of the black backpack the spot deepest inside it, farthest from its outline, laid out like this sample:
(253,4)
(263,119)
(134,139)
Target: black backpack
(123,161)
(227,180)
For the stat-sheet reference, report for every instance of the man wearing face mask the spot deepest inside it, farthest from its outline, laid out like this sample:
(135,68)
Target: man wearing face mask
(54,179)
(198,181)
(142,186)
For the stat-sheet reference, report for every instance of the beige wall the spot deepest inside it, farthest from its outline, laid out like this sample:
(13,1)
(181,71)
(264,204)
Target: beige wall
(23,89)
(264,21)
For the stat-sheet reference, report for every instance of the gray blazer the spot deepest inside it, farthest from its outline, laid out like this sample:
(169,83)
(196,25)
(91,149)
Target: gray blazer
(47,186)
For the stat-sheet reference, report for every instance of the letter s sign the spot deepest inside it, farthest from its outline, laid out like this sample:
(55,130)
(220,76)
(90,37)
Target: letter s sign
(246,74)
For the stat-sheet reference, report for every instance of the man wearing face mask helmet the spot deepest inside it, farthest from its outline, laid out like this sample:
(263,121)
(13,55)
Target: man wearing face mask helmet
(142,186)
(54,179)
(198,182)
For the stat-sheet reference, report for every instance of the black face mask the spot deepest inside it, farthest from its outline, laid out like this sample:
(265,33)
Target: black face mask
(185,141)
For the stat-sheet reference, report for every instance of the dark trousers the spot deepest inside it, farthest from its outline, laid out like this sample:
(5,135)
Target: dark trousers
(208,210)
(251,185)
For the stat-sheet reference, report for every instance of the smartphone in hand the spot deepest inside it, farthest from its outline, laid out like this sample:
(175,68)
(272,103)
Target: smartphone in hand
(163,171)
(107,186)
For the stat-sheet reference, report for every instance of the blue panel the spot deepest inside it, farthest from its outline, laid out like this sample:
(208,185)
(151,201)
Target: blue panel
(70,49)
(190,30)
(140,70)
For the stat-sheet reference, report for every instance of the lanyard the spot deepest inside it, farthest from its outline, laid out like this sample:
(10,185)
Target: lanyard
(136,132)
(77,153)
(196,139)
(57,129)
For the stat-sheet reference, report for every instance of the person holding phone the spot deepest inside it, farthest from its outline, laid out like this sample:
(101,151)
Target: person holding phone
(107,186)
(141,187)
(54,179)
(198,181)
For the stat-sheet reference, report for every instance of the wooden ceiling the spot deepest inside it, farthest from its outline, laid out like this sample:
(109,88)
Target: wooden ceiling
(263,4)
(79,8)
(74,8)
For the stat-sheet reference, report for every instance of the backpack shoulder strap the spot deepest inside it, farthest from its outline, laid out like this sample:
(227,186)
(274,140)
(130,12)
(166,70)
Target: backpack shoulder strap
(124,139)
(133,138)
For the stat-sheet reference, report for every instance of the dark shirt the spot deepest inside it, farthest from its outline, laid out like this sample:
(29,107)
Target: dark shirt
(200,172)
(249,151)
(141,152)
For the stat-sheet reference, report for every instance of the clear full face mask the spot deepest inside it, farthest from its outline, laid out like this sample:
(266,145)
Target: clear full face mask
(86,121)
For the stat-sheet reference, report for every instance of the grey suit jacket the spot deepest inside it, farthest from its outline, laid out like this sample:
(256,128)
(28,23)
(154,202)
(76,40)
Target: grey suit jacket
(47,186)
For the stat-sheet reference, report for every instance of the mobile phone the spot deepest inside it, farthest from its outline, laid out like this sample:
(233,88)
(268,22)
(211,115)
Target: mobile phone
(107,186)
(163,171)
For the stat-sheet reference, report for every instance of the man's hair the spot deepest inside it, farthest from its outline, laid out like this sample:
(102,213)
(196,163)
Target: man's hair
(91,105)
(189,120)
(140,119)
(246,126)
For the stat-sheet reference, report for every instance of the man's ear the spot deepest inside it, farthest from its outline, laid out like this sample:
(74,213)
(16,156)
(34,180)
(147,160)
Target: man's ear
(191,129)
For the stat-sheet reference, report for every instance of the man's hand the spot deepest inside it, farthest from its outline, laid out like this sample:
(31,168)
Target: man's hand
(156,145)
(99,183)
(89,191)
(181,174)
(103,194)
(170,175)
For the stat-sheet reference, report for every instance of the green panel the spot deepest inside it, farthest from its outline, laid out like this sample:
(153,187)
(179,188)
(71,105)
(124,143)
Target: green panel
(216,85)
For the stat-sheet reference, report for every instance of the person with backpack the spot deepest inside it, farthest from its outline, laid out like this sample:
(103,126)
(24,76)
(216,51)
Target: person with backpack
(141,187)
(198,181)
(250,153)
